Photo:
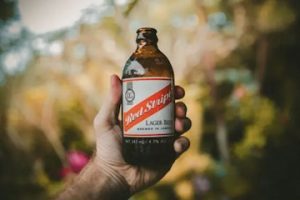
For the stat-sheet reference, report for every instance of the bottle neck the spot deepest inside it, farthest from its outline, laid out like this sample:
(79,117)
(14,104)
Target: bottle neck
(144,43)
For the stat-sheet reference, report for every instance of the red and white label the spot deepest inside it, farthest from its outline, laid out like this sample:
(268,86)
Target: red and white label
(148,107)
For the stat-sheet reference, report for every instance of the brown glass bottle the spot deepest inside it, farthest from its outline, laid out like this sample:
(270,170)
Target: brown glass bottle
(148,103)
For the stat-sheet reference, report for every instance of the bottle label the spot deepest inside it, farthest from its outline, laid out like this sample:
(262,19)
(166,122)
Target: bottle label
(148,107)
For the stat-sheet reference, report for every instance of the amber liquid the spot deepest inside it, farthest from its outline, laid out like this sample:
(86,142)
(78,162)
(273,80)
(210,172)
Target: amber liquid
(149,151)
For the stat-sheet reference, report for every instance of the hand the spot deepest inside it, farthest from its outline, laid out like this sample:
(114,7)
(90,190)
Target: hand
(109,142)
(108,176)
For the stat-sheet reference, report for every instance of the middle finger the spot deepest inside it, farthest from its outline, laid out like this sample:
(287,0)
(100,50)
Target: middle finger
(180,109)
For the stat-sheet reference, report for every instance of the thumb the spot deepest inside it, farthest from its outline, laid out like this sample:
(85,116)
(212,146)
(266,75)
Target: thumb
(107,117)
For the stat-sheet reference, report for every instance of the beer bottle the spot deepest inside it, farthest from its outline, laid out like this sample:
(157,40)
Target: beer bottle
(148,103)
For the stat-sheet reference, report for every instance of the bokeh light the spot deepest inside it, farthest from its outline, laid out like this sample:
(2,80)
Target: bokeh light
(237,60)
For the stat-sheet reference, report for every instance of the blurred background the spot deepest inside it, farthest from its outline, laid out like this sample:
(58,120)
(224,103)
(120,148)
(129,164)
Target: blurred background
(237,59)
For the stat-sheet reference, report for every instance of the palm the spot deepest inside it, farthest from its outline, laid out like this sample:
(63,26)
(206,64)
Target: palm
(137,177)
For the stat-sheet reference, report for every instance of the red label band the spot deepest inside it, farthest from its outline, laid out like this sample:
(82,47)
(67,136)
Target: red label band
(147,107)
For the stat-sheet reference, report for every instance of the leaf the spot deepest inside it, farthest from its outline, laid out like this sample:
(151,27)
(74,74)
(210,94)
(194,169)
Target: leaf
(274,16)
(130,6)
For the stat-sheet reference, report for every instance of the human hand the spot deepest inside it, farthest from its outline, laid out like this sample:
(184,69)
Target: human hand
(109,142)
(108,176)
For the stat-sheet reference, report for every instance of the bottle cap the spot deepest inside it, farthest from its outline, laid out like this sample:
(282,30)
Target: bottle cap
(148,34)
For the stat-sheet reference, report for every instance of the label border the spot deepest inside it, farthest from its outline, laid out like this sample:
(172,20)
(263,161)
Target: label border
(146,135)
(146,79)
(141,135)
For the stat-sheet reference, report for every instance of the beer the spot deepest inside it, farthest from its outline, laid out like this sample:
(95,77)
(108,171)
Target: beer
(148,103)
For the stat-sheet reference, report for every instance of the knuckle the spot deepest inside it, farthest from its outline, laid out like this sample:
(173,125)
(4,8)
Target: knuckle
(97,121)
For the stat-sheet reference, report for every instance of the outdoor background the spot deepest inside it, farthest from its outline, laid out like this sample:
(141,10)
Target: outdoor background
(237,59)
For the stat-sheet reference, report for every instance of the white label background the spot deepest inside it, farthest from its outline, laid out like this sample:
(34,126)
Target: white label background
(143,88)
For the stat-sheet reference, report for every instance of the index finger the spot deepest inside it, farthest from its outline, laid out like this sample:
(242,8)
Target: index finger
(179,92)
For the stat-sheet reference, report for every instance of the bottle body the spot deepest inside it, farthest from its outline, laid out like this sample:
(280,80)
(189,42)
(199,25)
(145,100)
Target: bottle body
(148,106)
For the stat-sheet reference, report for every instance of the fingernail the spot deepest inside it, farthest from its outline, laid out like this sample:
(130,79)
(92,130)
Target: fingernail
(187,125)
(184,145)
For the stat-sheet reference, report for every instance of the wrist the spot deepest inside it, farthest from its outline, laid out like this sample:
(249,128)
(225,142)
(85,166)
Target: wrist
(115,186)
(97,182)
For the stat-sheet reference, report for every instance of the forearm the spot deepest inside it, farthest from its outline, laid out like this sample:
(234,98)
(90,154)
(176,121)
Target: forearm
(96,183)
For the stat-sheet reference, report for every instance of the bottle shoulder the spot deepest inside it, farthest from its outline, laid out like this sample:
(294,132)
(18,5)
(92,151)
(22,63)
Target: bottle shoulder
(148,64)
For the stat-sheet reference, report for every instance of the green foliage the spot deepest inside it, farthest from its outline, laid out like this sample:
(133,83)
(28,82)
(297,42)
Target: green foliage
(274,16)
(260,121)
